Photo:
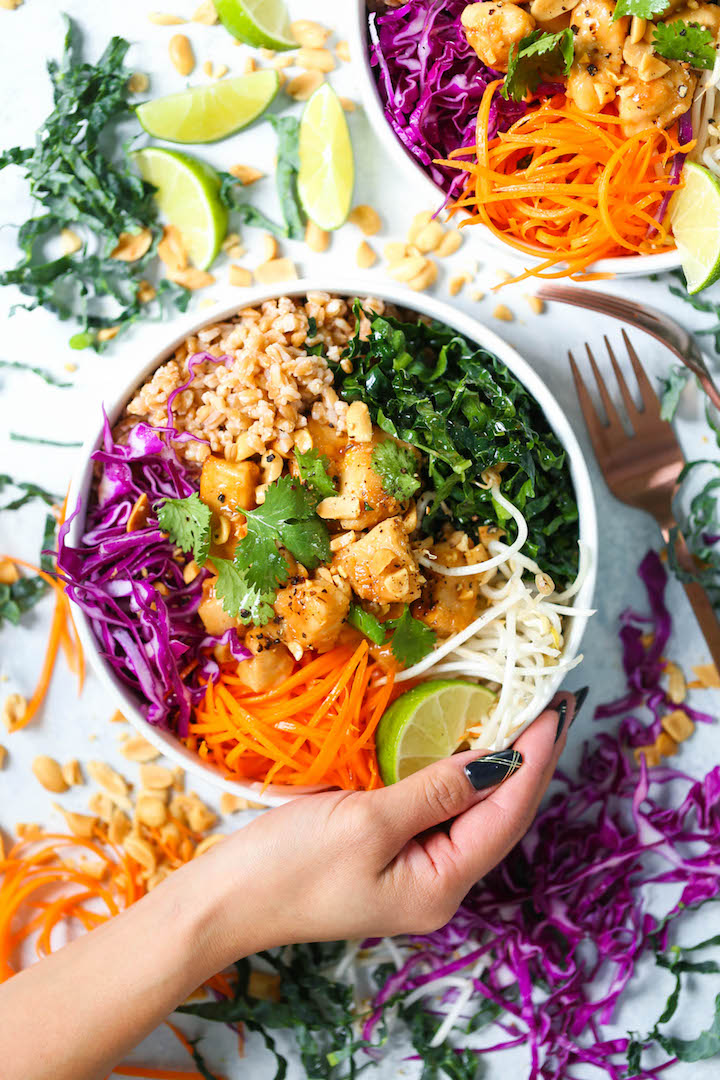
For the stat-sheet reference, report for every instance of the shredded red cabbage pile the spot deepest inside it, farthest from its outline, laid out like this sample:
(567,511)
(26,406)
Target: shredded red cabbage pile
(130,584)
(562,923)
(431,83)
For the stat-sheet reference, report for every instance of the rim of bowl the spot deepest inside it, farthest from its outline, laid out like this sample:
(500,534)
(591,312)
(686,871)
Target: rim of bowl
(619,266)
(167,742)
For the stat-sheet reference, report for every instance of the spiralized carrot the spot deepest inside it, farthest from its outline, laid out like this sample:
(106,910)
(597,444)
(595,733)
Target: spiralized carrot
(568,185)
(316,728)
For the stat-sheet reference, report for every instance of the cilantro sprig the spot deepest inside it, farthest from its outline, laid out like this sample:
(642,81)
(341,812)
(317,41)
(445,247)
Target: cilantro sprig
(397,468)
(187,523)
(411,639)
(313,468)
(538,56)
(644,9)
(687,42)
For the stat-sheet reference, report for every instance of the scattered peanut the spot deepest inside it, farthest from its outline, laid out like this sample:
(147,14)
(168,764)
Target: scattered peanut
(394,251)
(426,278)
(418,223)
(535,304)
(342,51)
(281,62)
(156,777)
(650,753)
(311,35)
(138,82)
(449,244)
(267,54)
(72,773)
(315,59)
(181,54)
(140,851)
(503,275)
(304,85)
(678,725)
(47,772)
(161,19)
(477,295)
(269,273)
(3,756)
(666,745)
(408,267)
(348,104)
(82,825)
(429,237)
(10,5)
(171,249)
(221,71)
(677,687)
(139,514)
(317,239)
(118,718)
(108,778)
(108,333)
(269,248)
(456,284)
(191,278)
(208,68)
(151,810)
(250,64)
(146,292)
(366,218)
(191,570)
(239,275)
(503,312)
(246,174)
(119,827)
(206,13)
(13,712)
(9,572)
(708,677)
(101,805)
(365,257)
(70,242)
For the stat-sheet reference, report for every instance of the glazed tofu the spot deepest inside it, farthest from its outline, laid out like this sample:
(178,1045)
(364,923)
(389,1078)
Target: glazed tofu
(228,486)
(449,604)
(381,566)
(313,612)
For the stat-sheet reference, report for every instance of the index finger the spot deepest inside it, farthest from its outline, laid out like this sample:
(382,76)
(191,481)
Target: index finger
(482,836)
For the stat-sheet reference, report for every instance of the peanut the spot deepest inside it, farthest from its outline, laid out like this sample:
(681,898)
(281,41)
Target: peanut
(276,270)
(304,85)
(70,242)
(309,34)
(239,275)
(206,13)
(503,312)
(108,778)
(150,810)
(9,572)
(348,104)
(181,54)
(246,174)
(535,304)
(315,59)
(161,19)
(79,824)
(449,244)
(365,257)
(191,278)
(47,772)
(140,851)
(156,777)
(72,773)
(317,239)
(138,82)
(342,51)
(13,712)
(366,218)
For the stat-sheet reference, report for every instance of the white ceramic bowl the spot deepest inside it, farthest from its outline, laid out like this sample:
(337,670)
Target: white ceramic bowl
(424,305)
(629,266)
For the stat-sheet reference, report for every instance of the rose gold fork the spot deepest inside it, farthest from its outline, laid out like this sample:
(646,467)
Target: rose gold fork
(642,469)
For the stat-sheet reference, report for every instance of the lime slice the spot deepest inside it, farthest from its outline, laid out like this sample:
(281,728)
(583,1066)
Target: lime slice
(695,219)
(327,170)
(205,114)
(188,195)
(428,723)
(263,23)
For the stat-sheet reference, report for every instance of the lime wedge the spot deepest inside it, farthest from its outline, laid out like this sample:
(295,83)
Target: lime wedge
(427,724)
(327,170)
(263,23)
(695,219)
(188,195)
(205,114)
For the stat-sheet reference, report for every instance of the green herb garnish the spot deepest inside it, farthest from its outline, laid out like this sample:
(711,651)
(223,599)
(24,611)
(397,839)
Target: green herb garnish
(687,42)
(247,213)
(313,468)
(644,9)
(397,467)
(367,624)
(42,373)
(187,523)
(539,57)
(672,388)
(241,600)
(466,412)
(22,595)
(78,185)
(411,639)
(287,129)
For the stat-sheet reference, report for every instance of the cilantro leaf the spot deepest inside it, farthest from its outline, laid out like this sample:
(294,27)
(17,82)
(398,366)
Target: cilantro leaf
(412,639)
(287,517)
(240,599)
(644,9)
(313,468)
(672,388)
(397,467)
(367,624)
(688,42)
(187,522)
(287,129)
(539,56)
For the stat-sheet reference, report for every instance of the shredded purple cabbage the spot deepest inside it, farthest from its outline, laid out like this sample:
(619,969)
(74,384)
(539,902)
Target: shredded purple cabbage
(130,584)
(685,134)
(431,83)
(562,923)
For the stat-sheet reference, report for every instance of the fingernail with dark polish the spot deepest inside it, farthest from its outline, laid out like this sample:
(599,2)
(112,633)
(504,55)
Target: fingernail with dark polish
(492,769)
(580,696)
(562,717)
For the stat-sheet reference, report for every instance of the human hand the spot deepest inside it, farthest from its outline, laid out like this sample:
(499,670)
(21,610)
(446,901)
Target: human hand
(358,864)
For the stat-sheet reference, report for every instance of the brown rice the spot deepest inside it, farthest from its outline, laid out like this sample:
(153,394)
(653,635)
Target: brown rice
(268,391)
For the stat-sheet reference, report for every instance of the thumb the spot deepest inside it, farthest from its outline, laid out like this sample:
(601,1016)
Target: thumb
(441,791)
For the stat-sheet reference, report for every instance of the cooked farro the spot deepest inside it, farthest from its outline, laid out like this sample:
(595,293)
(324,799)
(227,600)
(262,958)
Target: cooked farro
(269,387)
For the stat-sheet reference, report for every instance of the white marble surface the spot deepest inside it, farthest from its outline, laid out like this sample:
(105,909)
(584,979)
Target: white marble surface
(72,727)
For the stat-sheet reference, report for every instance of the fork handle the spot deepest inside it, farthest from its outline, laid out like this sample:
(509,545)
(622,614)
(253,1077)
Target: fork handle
(699,599)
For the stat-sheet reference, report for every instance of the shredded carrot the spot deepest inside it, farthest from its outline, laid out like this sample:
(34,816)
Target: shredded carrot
(63,634)
(568,185)
(315,729)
